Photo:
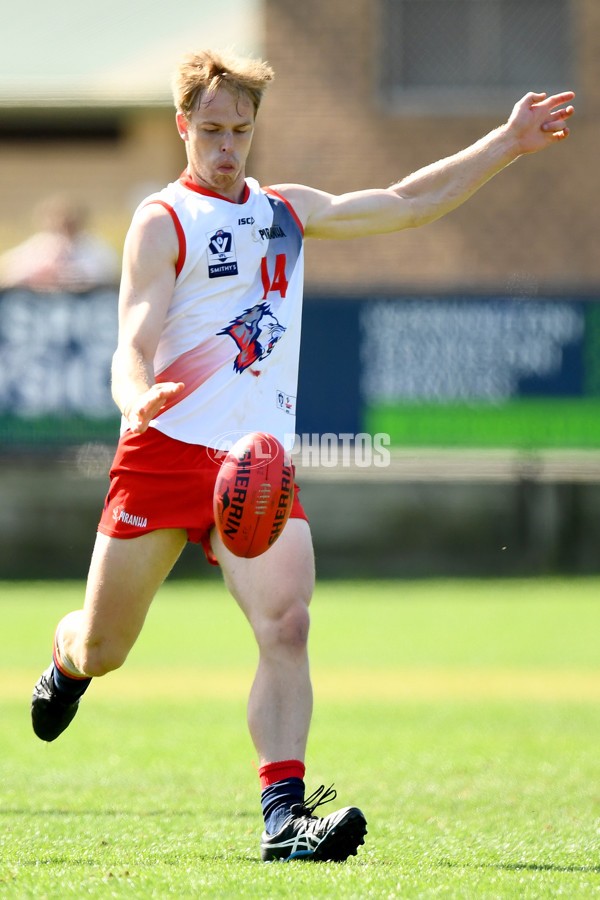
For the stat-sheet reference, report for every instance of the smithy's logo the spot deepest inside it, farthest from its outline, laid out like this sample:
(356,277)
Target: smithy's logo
(255,332)
(221,253)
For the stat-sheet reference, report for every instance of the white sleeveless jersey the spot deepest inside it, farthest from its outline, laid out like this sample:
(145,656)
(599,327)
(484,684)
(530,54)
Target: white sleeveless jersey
(232,330)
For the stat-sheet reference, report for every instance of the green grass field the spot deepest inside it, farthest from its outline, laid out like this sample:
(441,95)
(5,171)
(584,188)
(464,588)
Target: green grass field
(462,716)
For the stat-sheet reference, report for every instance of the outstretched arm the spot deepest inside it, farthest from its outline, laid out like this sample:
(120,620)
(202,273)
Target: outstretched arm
(536,122)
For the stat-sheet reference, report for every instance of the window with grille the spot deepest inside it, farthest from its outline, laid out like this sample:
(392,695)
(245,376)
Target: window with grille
(472,55)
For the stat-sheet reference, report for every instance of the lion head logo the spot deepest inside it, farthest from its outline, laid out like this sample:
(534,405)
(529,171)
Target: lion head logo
(255,331)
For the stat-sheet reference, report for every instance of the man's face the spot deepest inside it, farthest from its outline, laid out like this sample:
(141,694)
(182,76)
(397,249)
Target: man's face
(218,135)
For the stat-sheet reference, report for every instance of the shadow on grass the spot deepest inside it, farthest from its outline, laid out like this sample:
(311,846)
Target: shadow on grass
(521,867)
(542,867)
(98,862)
(122,813)
(99,813)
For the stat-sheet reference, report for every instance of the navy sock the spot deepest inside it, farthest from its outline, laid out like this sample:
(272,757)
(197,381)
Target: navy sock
(72,688)
(277,799)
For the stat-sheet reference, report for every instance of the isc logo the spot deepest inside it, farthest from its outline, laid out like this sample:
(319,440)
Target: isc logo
(248,221)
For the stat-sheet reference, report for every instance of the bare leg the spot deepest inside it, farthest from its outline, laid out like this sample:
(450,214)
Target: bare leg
(274,591)
(124,576)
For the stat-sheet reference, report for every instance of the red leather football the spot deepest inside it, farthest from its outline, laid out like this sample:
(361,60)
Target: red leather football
(253,494)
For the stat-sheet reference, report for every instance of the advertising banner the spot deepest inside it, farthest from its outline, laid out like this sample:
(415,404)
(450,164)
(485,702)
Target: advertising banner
(470,371)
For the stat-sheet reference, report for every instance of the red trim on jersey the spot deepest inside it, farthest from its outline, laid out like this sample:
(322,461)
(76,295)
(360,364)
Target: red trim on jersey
(187,182)
(269,190)
(180,234)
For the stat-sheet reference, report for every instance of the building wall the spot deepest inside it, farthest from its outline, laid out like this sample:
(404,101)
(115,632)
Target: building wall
(532,228)
(110,176)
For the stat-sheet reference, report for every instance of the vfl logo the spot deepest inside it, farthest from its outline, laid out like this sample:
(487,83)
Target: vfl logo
(221,253)
(255,332)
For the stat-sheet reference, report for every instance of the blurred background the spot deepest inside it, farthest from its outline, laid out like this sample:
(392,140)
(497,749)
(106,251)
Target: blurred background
(469,349)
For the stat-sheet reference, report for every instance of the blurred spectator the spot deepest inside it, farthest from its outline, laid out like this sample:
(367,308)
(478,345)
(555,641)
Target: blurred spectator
(62,255)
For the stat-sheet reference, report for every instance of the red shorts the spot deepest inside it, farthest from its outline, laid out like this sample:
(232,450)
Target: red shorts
(158,482)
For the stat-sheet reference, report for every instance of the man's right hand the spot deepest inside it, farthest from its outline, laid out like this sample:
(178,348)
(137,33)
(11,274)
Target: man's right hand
(144,408)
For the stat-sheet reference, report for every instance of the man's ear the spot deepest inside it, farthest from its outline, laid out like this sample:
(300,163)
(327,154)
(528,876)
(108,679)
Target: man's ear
(182,126)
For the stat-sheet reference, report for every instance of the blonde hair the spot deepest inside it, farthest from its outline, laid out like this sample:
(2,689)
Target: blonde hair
(204,71)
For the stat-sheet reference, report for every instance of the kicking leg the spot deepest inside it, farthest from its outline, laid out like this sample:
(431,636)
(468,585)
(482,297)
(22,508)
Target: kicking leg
(123,579)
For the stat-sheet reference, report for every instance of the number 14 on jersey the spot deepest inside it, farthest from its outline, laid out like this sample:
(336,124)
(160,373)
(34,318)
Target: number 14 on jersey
(275,281)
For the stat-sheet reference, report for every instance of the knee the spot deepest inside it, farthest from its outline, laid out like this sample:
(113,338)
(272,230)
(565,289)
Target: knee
(288,629)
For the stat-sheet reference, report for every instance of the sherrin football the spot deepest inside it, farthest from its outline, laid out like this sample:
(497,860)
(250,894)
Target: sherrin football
(253,494)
